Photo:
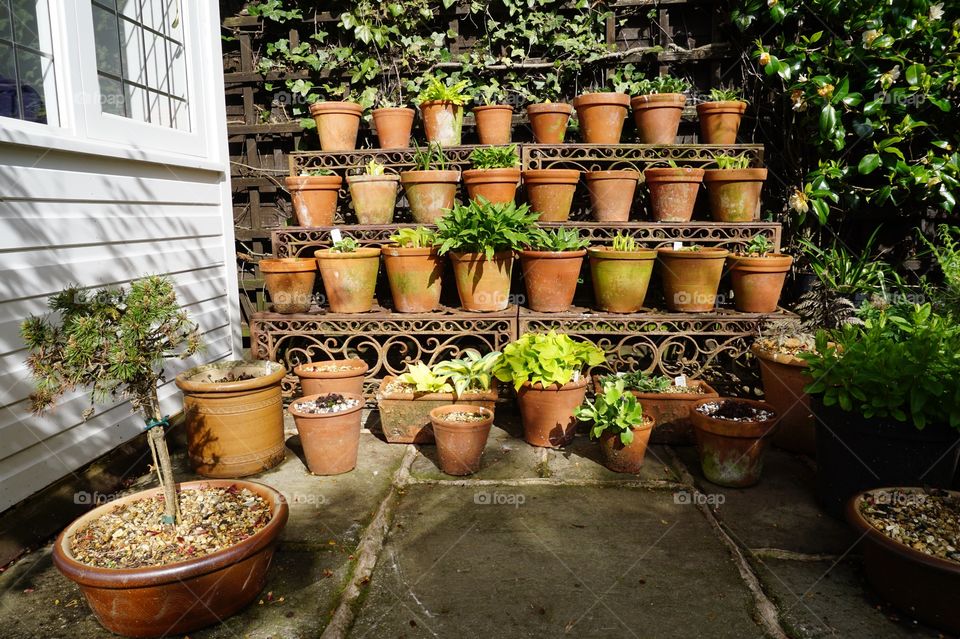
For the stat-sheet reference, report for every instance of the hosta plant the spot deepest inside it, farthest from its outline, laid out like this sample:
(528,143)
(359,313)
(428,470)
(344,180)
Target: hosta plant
(641,381)
(662,84)
(436,90)
(546,358)
(758,246)
(613,409)
(725,161)
(420,237)
(558,239)
(424,379)
(482,227)
(345,245)
(472,371)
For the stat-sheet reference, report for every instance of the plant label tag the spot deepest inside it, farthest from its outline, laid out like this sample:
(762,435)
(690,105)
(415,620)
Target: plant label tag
(336,236)
(677,246)
(680,382)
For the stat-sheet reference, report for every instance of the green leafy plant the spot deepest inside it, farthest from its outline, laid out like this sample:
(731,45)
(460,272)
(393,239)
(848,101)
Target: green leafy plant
(114,341)
(482,227)
(345,245)
(758,246)
(546,359)
(316,173)
(437,90)
(430,158)
(613,409)
(662,84)
(420,237)
(725,161)
(558,239)
(423,379)
(495,157)
(624,242)
(848,274)
(641,381)
(472,371)
(725,94)
(373,168)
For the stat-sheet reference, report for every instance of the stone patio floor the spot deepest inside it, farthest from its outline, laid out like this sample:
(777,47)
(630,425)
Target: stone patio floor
(539,543)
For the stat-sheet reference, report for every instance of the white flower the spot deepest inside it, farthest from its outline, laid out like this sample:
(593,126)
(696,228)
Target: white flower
(764,58)
(891,76)
(894,73)
(869,36)
(802,78)
(936,11)
(771,3)
(799,201)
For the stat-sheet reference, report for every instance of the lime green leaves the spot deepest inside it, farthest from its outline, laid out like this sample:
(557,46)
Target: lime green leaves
(546,358)
(613,409)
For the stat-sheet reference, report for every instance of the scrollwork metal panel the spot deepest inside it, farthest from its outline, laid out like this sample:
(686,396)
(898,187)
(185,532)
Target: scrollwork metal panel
(599,157)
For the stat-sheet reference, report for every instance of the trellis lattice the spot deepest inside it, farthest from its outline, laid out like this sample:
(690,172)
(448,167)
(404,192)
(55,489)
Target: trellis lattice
(598,157)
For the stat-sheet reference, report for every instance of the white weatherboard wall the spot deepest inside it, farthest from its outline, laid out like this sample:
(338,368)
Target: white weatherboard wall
(102,200)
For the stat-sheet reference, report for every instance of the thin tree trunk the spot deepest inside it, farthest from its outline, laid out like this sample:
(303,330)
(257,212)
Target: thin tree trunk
(156,437)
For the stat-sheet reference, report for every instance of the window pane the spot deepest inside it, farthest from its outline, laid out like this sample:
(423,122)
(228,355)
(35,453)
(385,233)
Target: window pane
(133,50)
(111,96)
(107,41)
(136,102)
(26,29)
(9,97)
(28,88)
(36,75)
(6,22)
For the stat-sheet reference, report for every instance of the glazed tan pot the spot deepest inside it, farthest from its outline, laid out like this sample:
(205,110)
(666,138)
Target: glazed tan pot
(628,458)
(483,285)
(234,428)
(551,278)
(620,278)
(414,277)
(720,121)
(601,116)
(549,121)
(731,452)
(289,280)
(393,125)
(611,194)
(330,440)
(316,381)
(494,123)
(550,192)
(337,124)
(784,378)
(734,193)
(374,197)
(314,198)
(758,281)
(442,122)
(349,279)
(499,186)
(691,278)
(460,444)
(405,417)
(547,413)
(176,598)
(673,192)
(430,193)
(658,117)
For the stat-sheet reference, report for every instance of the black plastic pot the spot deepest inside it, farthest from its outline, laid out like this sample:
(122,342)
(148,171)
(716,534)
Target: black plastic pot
(856,454)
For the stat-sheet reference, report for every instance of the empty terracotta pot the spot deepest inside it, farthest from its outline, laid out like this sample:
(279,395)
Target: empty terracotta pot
(314,198)
(620,278)
(720,121)
(784,378)
(430,193)
(757,281)
(549,121)
(483,285)
(414,277)
(691,278)
(734,193)
(332,376)
(374,197)
(442,122)
(731,452)
(289,281)
(551,278)
(337,124)
(658,117)
(601,116)
(673,192)
(393,125)
(627,458)
(330,440)
(547,413)
(494,123)
(460,444)
(349,279)
(497,185)
(611,194)
(550,192)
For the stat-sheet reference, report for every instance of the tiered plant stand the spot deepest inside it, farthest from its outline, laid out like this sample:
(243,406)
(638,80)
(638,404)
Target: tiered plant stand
(652,340)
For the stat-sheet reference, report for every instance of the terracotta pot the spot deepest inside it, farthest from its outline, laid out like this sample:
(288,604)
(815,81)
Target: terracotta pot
(483,285)
(330,440)
(442,122)
(405,417)
(923,586)
(337,124)
(393,125)
(601,116)
(550,192)
(549,121)
(673,192)
(349,279)
(720,121)
(430,193)
(289,281)
(460,444)
(320,382)
(611,194)
(374,197)
(734,193)
(233,429)
(494,123)
(691,278)
(551,278)
(620,278)
(658,117)
(176,598)
(629,458)
(757,281)
(731,453)
(671,411)
(497,185)
(314,198)
(784,378)
(414,277)
(547,413)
